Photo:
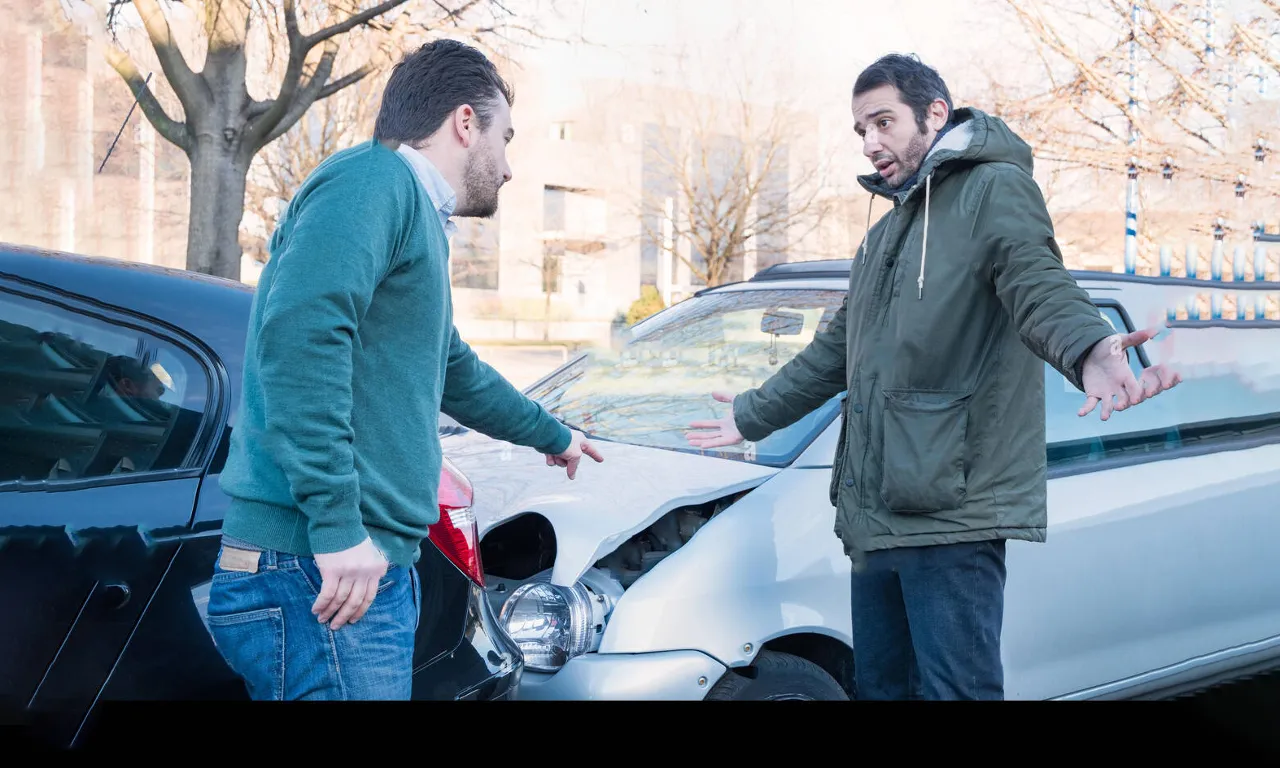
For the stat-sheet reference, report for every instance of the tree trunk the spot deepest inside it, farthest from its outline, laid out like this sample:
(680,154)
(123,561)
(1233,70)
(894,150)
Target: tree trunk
(218,180)
(546,312)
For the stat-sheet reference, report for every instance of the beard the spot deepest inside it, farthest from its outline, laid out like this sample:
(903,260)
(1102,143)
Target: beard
(908,162)
(481,182)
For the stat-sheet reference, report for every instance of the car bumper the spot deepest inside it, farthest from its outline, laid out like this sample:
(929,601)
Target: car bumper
(495,662)
(666,676)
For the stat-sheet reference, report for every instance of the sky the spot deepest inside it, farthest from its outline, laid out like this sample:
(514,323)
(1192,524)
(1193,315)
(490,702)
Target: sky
(807,52)
(823,42)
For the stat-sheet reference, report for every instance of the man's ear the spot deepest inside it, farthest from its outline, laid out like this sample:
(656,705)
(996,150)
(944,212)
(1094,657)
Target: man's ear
(938,114)
(464,125)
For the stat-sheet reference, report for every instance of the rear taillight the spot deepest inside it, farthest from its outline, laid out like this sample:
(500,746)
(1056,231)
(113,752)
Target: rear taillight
(456,533)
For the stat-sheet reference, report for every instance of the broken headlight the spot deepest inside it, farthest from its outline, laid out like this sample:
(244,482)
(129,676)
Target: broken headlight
(553,624)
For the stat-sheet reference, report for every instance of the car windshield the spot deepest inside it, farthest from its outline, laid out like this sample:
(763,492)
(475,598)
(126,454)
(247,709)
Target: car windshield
(660,377)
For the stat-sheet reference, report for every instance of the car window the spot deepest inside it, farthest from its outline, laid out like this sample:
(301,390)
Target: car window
(648,391)
(1201,406)
(82,398)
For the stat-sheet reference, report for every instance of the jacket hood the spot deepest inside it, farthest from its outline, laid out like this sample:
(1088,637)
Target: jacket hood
(975,137)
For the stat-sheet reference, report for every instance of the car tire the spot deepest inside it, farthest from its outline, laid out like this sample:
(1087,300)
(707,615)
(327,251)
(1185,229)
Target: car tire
(778,677)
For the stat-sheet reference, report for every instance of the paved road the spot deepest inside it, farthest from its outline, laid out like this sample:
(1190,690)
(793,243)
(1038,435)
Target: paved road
(522,366)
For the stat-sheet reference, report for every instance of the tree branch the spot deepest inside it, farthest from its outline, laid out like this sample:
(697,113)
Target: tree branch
(273,111)
(174,131)
(345,81)
(190,89)
(310,41)
(302,100)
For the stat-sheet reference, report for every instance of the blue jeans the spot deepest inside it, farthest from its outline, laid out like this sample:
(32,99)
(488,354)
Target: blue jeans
(927,622)
(262,624)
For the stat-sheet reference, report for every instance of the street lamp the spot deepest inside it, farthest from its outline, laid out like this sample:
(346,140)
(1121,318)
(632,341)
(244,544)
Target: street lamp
(1260,150)
(1133,167)
(1167,170)
(1240,186)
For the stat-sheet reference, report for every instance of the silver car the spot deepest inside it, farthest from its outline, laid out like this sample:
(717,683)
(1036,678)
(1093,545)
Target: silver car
(673,573)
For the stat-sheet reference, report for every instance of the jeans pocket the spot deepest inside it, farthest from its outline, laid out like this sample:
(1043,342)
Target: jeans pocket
(252,644)
(416,580)
(924,450)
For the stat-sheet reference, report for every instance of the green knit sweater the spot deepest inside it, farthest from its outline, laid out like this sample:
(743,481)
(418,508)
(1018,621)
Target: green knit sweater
(351,356)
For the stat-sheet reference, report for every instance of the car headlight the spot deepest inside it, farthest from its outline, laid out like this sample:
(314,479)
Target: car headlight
(552,624)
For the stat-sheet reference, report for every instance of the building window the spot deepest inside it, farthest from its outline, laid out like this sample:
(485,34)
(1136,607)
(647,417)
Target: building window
(553,218)
(562,131)
(474,257)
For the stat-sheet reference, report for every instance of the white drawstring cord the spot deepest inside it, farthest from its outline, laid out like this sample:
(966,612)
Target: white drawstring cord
(924,245)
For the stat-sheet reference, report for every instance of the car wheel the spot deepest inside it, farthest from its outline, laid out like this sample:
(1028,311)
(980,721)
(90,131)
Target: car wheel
(778,677)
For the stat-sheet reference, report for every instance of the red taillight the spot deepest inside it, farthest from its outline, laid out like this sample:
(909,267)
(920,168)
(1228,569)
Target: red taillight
(456,533)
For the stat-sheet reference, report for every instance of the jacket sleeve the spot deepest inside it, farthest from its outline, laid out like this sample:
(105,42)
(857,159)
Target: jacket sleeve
(1054,316)
(341,246)
(478,397)
(807,381)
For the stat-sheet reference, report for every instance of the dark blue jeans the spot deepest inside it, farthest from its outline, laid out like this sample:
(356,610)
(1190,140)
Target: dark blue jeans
(927,622)
(262,624)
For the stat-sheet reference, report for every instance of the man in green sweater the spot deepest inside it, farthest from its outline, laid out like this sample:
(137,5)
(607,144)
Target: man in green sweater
(957,298)
(351,356)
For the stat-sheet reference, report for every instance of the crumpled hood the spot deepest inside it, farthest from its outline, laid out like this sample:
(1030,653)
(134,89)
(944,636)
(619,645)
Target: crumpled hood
(976,138)
(606,503)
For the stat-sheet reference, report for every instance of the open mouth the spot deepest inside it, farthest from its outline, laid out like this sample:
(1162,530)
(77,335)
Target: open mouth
(886,168)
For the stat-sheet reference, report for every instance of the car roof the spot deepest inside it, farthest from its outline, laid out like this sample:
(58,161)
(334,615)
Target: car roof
(834,273)
(213,309)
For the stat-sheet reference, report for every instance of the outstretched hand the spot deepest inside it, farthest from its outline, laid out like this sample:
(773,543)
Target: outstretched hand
(719,432)
(572,456)
(1107,375)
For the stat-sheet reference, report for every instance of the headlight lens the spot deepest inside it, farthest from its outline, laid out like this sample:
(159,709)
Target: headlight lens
(552,624)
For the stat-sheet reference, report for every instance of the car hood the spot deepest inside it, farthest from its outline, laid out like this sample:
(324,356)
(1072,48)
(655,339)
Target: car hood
(604,505)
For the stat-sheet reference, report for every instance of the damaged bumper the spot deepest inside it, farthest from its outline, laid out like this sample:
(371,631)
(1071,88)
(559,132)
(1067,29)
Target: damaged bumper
(666,676)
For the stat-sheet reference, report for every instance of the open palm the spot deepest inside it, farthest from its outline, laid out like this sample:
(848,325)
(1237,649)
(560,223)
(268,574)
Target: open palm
(717,432)
(1110,382)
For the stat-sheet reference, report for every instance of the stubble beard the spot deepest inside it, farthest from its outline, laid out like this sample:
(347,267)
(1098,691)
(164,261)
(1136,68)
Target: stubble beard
(480,183)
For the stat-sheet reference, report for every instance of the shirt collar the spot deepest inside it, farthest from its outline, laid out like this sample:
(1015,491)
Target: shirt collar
(442,195)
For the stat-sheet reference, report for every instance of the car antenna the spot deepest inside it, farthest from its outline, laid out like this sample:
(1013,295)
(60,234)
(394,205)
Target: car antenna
(136,96)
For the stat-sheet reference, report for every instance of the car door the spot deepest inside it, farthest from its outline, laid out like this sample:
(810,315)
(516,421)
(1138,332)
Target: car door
(103,433)
(1159,565)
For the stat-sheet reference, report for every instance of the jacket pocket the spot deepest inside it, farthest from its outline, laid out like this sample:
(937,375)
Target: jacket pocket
(924,450)
(837,464)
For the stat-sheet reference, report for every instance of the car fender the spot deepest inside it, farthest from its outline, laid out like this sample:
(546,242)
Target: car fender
(768,566)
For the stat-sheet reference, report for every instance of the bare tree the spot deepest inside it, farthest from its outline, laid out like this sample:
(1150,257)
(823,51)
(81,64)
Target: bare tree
(1196,79)
(277,171)
(729,181)
(222,125)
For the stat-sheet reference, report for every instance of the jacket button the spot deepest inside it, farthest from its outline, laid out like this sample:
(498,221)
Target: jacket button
(857,408)
(848,483)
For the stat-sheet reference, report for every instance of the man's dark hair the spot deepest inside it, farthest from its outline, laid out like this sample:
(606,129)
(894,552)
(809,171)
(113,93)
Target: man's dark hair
(427,85)
(918,84)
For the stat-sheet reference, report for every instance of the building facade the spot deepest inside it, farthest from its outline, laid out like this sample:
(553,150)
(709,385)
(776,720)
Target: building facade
(589,218)
(72,179)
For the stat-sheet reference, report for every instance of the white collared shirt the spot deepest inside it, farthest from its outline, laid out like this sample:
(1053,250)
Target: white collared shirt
(442,195)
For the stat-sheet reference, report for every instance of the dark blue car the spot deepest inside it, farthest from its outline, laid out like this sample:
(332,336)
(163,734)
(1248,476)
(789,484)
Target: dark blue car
(119,386)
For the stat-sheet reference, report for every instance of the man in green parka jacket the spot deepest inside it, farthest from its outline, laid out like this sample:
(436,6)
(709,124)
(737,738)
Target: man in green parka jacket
(955,298)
